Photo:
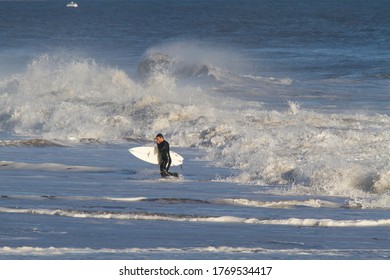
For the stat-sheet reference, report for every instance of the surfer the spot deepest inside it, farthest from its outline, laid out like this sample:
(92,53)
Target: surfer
(163,148)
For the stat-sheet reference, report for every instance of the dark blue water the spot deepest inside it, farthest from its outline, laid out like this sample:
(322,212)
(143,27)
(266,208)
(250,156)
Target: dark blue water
(304,39)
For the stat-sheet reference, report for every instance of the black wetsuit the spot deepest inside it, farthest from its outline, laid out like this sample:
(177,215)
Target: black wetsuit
(166,161)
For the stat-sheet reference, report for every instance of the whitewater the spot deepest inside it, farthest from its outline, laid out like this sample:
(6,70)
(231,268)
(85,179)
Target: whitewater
(284,131)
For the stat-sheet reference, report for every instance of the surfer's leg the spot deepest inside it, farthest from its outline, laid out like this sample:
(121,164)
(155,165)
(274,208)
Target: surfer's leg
(163,170)
(162,165)
(168,164)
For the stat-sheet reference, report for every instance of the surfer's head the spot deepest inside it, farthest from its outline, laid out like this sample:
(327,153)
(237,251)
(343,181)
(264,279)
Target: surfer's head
(159,138)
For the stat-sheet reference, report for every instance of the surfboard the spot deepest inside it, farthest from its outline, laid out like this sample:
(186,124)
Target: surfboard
(151,155)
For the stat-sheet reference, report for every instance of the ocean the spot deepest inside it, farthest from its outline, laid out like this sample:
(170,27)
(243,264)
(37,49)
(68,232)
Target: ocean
(280,109)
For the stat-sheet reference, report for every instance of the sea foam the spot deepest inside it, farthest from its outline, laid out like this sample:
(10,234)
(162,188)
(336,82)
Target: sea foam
(313,152)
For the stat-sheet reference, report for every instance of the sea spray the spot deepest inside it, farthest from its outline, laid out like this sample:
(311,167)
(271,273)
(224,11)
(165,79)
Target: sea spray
(315,152)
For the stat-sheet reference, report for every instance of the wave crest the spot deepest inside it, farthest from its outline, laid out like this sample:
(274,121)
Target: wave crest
(306,222)
(57,98)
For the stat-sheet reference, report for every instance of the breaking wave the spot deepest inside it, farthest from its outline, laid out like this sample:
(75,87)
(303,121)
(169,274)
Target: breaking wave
(256,251)
(306,222)
(207,99)
(314,203)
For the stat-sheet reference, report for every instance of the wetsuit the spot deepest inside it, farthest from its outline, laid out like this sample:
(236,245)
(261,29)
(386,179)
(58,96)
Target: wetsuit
(166,161)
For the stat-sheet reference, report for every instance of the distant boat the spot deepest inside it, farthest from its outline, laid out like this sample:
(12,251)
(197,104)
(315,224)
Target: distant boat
(72,5)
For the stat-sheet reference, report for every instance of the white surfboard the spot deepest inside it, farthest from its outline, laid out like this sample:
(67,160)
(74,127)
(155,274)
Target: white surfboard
(151,155)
